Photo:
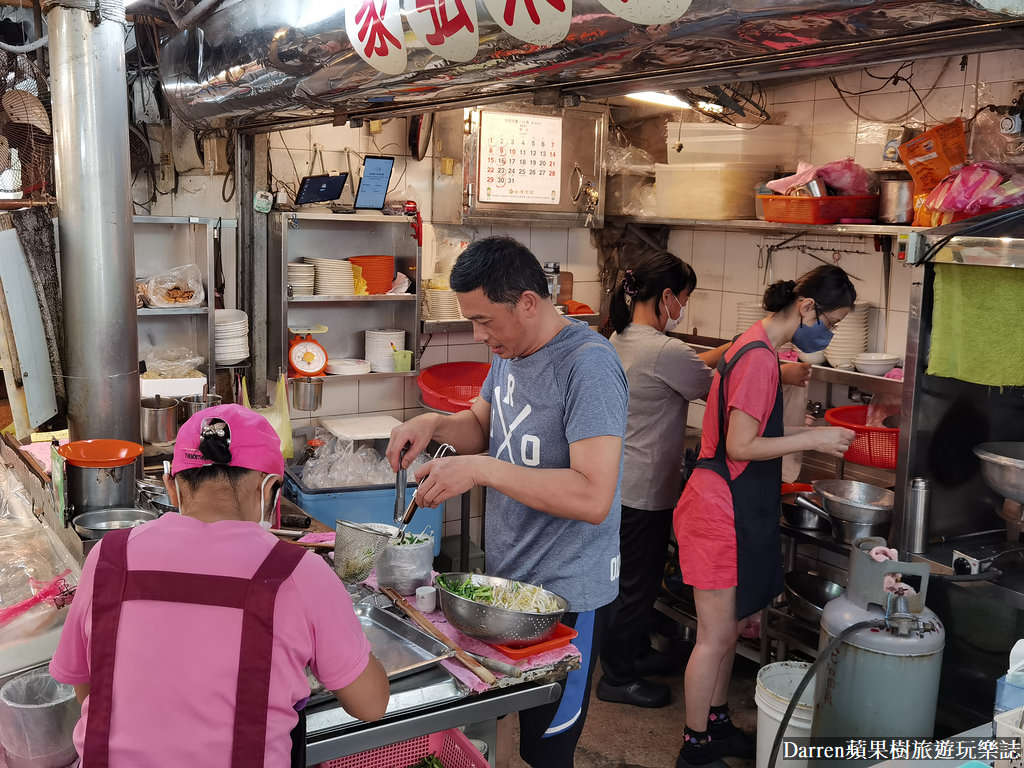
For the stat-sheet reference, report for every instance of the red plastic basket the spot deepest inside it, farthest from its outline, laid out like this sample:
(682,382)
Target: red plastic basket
(818,210)
(451,747)
(452,386)
(873,446)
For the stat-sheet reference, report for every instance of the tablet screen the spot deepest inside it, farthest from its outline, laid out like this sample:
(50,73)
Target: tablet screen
(320,189)
(373,186)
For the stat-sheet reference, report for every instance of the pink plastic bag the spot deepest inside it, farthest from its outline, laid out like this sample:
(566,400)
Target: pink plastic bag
(805,172)
(846,177)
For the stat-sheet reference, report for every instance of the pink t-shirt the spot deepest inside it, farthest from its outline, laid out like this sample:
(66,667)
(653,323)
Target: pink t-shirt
(177,665)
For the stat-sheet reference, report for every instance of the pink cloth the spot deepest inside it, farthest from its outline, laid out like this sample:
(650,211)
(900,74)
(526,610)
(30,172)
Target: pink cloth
(41,453)
(176,670)
(318,538)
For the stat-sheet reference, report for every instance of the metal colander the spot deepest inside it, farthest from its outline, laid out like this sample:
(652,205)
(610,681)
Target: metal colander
(357,547)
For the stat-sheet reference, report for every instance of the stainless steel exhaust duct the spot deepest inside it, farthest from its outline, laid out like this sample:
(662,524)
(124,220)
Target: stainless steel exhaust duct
(259,63)
(90,130)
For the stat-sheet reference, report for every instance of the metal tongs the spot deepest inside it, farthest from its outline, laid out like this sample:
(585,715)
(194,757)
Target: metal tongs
(410,510)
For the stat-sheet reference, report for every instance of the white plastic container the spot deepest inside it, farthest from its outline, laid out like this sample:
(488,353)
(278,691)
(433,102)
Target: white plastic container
(707,191)
(776,684)
(770,145)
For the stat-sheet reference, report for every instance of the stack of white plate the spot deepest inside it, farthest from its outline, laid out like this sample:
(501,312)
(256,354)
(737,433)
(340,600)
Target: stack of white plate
(301,277)
(347,367)
(333,277)
(442,305)
(231,336)
(850,337)
(748,313)
(379,349)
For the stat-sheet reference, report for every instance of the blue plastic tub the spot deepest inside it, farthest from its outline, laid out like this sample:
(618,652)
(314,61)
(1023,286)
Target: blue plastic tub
(359,504)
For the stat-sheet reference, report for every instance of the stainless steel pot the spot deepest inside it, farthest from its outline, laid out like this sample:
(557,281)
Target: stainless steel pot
(848,522)
(896,202)
(193,404)
(799,517)
(153,495)
(99,522)
(307,393)
(159,419)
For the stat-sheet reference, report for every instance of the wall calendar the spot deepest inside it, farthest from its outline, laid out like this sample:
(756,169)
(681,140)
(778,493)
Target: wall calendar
(520,158)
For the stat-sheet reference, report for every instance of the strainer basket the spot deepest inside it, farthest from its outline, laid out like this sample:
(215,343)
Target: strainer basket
(357,547)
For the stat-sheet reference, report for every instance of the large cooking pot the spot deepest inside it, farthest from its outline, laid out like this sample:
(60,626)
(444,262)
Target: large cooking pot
(853,509)
(99,474)
(159,419)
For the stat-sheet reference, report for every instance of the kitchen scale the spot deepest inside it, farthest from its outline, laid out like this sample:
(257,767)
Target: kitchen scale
(306,356)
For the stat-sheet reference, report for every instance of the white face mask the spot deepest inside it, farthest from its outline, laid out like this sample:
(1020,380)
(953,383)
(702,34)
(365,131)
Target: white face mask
(671,323)
(267,524)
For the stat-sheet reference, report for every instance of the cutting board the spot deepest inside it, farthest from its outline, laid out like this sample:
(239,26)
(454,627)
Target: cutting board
(564,287)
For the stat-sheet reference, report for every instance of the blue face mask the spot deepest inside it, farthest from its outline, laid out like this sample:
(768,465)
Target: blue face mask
(812,338)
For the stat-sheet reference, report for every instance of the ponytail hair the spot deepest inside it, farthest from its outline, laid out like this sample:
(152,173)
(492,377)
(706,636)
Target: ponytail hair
(828,285)
(646,279)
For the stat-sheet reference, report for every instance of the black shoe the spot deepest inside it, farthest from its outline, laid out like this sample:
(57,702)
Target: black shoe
(714,762)
(736,744)
(658,664)
(639,693)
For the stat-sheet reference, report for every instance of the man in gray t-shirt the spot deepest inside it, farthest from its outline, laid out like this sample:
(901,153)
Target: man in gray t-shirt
(551,416)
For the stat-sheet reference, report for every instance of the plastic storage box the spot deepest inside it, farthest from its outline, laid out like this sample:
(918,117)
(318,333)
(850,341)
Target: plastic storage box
(707,191)
(452,748)
(359,504)
(769,145)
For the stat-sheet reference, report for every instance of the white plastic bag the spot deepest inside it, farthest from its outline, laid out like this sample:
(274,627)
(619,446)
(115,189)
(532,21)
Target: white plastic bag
(408,565)
(178,287)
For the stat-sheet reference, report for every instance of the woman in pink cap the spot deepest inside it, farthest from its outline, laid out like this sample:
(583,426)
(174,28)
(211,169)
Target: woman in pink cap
(189,636)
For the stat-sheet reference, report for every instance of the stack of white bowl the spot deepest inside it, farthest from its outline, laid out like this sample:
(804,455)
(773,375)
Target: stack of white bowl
(748,313)
(231,336)
(347,367)
(333,277)
(441,305)
(850,337)
(381,344)
(875,363)
(301,278)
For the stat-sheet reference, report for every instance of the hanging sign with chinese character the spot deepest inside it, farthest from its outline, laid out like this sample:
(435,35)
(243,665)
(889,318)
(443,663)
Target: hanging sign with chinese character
(540,22)
(374,28)
(647,11)
(448,28)
(520,158)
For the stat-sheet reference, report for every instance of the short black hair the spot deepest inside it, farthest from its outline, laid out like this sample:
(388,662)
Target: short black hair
(502,267)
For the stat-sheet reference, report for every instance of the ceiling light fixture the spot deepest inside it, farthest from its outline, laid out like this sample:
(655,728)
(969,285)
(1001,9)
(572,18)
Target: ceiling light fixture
(657,97)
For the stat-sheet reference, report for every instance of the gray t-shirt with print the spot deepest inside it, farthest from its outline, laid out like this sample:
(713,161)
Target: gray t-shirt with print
(571,389)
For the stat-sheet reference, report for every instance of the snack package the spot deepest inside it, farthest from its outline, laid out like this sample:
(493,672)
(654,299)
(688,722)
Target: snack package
(178,287)
(974,189)
(930,158)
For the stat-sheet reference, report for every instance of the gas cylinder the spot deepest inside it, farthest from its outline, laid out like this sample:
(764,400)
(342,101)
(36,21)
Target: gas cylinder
(880,682)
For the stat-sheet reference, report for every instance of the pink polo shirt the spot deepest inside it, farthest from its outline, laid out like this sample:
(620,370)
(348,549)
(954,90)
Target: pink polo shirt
(177,665)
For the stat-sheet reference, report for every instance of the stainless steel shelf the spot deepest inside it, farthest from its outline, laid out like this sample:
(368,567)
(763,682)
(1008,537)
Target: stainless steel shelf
(677,611)
(775,226)
(323,298)
(173,310)
(466,326)
(373,375)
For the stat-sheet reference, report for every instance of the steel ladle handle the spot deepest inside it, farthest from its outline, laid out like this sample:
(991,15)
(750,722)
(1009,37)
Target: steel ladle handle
(410,510)
(805,503)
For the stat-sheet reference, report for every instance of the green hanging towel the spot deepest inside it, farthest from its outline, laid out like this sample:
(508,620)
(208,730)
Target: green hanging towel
(977,322)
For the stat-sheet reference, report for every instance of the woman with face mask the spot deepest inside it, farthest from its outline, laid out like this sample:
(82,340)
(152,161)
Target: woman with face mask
(727,520)
(189,636)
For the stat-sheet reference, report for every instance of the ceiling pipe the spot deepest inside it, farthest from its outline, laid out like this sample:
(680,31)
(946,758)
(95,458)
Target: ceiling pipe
(90,131)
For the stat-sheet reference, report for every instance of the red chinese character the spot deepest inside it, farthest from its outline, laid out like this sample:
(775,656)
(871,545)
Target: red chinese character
(372,31)
(531,10)
(445,26)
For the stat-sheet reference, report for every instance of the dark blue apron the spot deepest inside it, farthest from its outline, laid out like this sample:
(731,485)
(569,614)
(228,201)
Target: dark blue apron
(755,501)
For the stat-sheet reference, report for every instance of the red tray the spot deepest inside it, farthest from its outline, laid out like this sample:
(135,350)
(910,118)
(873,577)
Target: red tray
(563,636)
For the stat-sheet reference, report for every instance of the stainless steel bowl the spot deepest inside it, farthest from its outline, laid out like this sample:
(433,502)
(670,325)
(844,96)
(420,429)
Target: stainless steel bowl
(807,594)
(98,522)
(1002,466)
(855,501)
(798,517)
(496,625)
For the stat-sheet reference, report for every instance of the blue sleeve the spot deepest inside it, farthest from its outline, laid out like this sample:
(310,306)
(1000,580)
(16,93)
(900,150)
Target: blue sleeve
(597,394)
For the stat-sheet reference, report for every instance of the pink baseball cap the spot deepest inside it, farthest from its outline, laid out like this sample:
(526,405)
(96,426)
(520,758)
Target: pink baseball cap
(252,441)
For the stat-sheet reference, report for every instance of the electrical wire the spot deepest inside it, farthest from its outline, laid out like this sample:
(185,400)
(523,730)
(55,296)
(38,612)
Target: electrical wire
(894,79)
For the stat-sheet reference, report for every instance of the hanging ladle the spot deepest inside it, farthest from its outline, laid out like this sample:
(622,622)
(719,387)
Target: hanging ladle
(410,510)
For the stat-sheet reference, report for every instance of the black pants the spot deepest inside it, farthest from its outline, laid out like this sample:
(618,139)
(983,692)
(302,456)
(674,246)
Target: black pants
(548,734)
(643,544)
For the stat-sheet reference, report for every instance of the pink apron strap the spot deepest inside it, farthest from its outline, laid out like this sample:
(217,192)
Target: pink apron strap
(108,588)
(252,699)
(114,584)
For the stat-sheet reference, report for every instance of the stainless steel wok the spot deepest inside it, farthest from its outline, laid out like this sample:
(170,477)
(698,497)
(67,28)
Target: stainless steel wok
(1002,466)
(853,509)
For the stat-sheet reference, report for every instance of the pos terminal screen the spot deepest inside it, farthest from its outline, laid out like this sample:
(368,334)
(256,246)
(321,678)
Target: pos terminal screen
(373,186)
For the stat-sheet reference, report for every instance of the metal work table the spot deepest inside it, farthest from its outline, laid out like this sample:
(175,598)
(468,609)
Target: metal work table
(481,709)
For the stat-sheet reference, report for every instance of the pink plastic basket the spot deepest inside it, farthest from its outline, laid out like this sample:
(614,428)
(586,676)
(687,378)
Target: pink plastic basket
(451,747)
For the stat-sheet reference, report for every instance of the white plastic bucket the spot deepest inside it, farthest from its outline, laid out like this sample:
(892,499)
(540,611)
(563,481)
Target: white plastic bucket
(776,684)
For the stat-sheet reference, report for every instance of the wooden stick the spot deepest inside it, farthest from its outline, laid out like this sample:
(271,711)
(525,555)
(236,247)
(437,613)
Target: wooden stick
(425,624)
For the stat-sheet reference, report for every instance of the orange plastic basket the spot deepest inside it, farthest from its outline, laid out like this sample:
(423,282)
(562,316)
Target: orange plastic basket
(451,747)
(818,210)
(451,387)
(873,446)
